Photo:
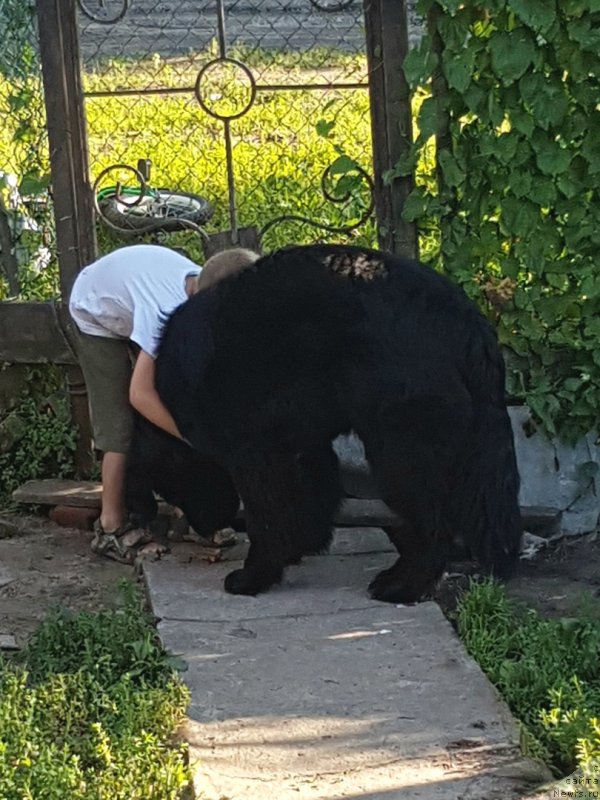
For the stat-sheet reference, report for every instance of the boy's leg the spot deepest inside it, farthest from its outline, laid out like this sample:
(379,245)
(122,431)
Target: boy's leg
(113,515)
(106,366)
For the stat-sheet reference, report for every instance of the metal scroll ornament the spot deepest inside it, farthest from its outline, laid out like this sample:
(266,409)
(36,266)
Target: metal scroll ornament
(332,198)
(138,210)
(105,12)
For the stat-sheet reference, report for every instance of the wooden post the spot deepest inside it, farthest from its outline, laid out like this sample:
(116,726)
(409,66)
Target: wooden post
(72,193)
(71,190)
(391,120)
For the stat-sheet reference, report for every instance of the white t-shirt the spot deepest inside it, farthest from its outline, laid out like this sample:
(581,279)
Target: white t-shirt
(130,292)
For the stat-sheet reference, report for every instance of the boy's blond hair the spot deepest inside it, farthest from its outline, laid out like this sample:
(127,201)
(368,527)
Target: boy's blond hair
(223,264)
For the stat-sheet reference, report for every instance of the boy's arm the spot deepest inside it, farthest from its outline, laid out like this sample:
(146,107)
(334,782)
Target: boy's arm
(144,397)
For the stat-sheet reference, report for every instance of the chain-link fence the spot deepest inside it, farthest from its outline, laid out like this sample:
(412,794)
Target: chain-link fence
(260,110)
(239,113)
(26,226)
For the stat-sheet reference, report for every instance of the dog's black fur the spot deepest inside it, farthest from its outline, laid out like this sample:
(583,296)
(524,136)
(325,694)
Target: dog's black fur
(157,462)
(262,371)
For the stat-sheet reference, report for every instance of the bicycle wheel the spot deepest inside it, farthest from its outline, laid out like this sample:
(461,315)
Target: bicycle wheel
(159,209)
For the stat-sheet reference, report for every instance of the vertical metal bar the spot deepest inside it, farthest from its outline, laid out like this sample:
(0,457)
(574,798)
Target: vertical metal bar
(391,119)
(221,28)
(227,131)
(73,215)
(233,222)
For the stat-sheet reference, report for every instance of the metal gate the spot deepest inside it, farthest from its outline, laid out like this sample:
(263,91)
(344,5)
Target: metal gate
(261,108)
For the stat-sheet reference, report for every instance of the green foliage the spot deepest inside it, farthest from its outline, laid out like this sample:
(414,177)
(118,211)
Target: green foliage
(514,191)
(548,671)
(47,443)
(69,729)
(24,152)
(104,644)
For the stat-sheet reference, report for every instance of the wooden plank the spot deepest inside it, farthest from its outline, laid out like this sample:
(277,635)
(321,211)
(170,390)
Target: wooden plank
(8,259)
(88,494)
(30,333)
(386,28)
(85,222)
(81,494)
(352,512)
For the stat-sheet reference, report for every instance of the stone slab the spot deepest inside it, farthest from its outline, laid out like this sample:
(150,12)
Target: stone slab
(82,494)
(354,699)
(6,576)
(346,541)
(320,585)
(8,642)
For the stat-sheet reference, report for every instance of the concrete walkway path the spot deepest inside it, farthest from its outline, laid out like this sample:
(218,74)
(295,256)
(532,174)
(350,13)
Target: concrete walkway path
(313,690)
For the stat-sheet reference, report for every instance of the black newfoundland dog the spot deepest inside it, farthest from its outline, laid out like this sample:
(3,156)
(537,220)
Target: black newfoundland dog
(263,370)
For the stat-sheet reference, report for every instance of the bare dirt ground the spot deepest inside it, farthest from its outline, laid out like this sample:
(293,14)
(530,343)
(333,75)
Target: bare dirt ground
(44,564)
(561,580)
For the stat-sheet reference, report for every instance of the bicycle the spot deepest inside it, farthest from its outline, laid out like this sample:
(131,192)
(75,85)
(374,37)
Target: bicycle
(132,211)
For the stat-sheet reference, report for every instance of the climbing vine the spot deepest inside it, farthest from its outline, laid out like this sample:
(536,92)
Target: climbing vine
(510,90)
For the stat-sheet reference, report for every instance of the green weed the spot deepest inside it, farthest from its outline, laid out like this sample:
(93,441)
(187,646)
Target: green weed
(548,671)
(47,438)
(91,711)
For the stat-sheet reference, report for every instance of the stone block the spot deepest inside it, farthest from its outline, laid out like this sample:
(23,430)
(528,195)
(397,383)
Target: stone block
(74,517)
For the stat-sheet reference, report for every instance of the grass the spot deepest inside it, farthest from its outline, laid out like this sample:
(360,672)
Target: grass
(548,672)
(92,710)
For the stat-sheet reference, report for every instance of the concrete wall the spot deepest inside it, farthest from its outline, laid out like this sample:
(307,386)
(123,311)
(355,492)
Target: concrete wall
(556,475)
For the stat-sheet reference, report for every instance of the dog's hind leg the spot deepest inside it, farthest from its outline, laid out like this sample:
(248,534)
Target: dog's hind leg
(423,556)
(413,457)
(290,499)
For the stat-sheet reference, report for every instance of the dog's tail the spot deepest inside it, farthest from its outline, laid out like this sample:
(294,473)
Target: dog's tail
(486,504)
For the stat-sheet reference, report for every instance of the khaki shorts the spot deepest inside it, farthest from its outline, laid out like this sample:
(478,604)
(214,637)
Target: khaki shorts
(107,365)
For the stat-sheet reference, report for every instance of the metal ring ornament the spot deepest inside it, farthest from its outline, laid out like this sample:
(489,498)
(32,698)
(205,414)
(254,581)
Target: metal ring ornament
(248,73)
(331,198)
(106,20)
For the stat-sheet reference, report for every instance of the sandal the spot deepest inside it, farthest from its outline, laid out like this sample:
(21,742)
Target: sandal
(122,545)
